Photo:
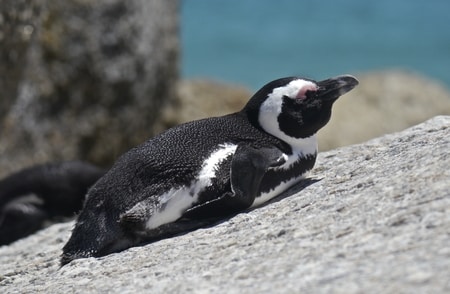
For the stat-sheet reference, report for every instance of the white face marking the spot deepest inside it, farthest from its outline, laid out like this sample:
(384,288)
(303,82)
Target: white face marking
(176,201)
(271,109)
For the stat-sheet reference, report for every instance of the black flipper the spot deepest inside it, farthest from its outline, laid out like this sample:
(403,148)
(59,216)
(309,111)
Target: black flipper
(248,167)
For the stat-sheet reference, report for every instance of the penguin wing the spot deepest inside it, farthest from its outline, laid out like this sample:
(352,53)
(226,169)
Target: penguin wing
(151,218)
(248,167)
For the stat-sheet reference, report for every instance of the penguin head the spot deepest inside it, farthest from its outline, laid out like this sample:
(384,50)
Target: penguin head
(295,108)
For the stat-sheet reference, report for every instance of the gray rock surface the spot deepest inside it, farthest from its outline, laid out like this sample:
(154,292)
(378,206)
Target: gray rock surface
(83,79)
(372,218)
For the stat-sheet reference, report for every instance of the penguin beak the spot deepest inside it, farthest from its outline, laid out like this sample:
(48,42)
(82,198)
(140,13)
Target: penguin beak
(333,88)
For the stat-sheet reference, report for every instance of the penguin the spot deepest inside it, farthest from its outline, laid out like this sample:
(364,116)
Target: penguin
(43,193)
(207,169)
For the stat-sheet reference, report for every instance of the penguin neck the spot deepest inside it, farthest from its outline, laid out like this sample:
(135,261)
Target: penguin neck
(305,146)
(302,145)
(302,151)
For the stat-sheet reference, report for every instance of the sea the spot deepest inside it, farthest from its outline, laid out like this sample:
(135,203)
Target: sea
(250,42)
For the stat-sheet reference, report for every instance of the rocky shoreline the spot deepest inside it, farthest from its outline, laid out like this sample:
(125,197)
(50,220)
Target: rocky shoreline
(370,218)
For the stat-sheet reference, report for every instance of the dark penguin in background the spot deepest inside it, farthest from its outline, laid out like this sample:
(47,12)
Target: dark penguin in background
(42,194)
(208,168)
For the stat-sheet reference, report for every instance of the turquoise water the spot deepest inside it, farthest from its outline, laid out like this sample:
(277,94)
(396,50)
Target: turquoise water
(251,42)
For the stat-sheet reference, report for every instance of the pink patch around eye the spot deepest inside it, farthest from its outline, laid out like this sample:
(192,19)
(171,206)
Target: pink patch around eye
(302,93)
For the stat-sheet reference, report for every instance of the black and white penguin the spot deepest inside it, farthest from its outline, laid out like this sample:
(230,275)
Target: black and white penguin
(207,168)
(43,194)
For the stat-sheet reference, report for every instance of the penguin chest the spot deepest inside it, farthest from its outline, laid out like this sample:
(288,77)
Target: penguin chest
(279,179)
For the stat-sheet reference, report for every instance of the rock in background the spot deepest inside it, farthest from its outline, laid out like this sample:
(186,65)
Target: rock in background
(87,80)
(371,218)
(383,102)
(203,98)
(83,79)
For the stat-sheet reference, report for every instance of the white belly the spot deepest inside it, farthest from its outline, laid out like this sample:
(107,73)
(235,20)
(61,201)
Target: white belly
(283,186)
(305,147)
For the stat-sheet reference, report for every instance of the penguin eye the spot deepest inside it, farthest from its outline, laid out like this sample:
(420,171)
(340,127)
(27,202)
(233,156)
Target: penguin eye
(290,99)
(311,94)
